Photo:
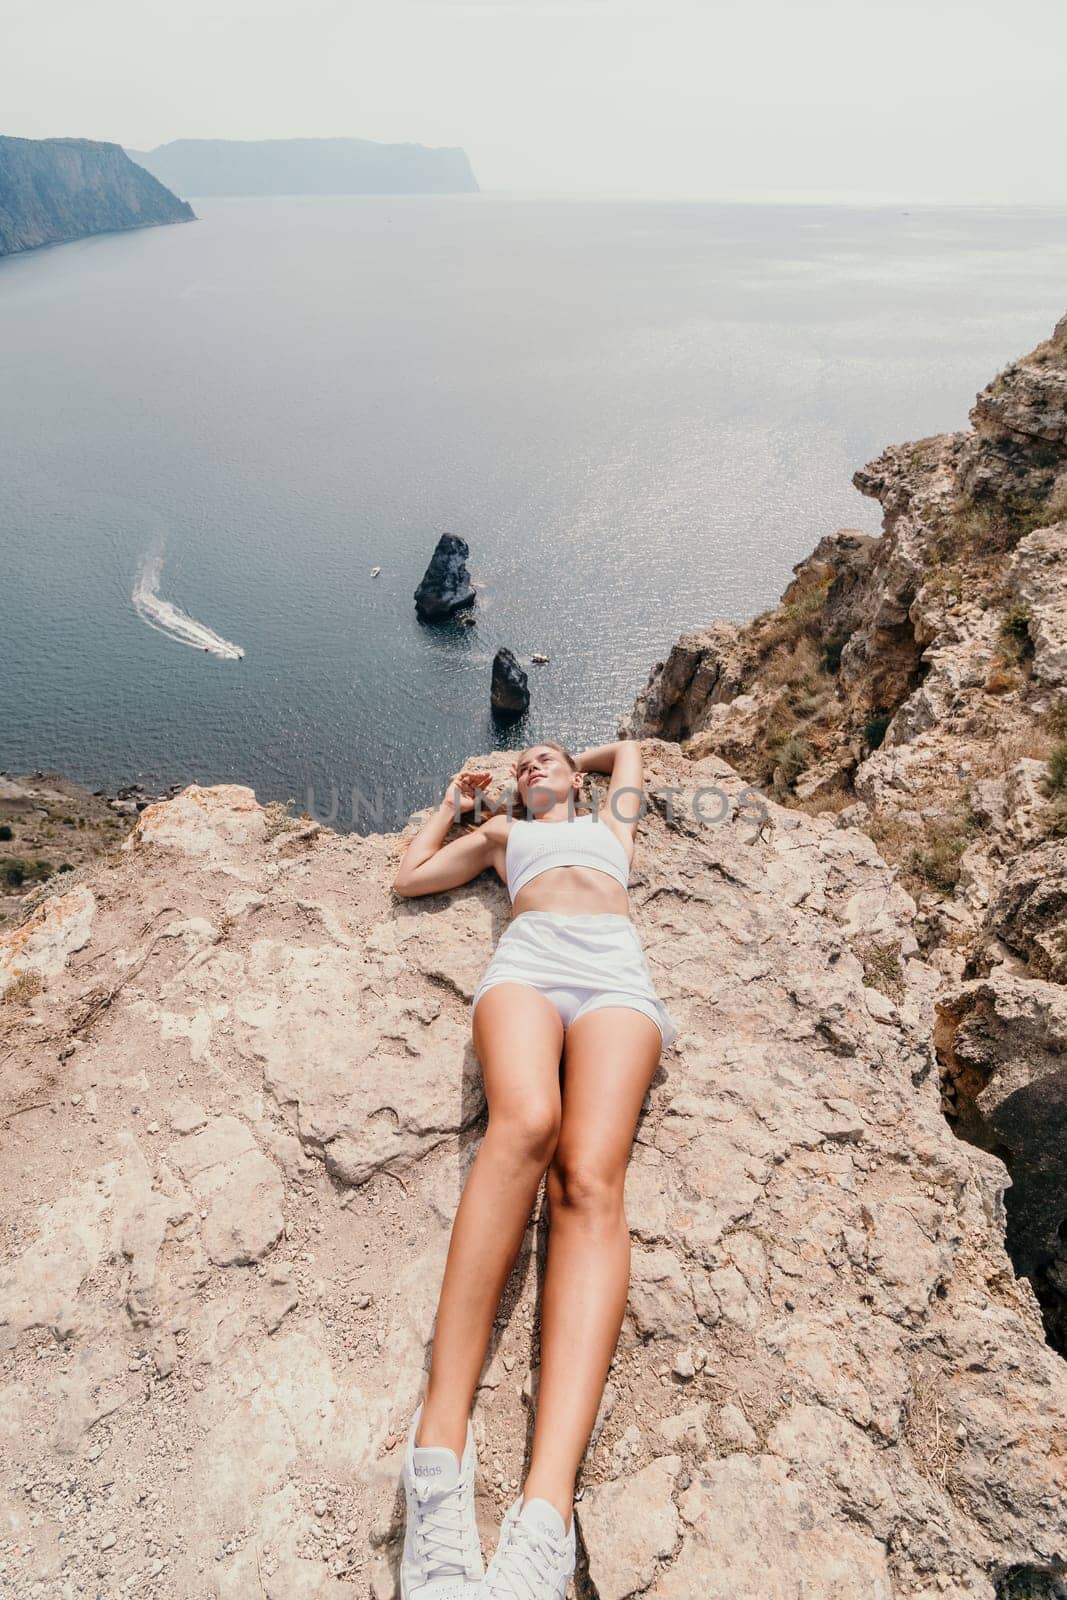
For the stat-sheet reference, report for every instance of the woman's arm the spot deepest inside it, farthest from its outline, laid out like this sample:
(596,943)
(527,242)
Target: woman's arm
(429,865)
(624,761)
(601,758)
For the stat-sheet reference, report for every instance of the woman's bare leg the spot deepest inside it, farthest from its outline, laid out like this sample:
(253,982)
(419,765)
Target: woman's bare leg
(610,1058)
(518,1037)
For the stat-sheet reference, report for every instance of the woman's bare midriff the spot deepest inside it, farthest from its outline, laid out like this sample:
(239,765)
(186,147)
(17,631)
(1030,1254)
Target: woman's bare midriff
(572,891)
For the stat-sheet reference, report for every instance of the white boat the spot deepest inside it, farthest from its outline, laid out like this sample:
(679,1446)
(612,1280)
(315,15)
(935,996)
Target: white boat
(374,571)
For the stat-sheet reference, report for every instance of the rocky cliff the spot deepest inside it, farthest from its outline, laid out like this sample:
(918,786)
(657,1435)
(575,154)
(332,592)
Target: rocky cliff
(915,685)
(239,1099)
(308,166)
(54,190)
(49,825)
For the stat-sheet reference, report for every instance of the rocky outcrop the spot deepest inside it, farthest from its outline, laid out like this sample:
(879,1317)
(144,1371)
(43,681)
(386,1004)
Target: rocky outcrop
(939,647)
(50,825)
(916,685)
(54,190)
(308,166)
(1029,913)
(720,667)
(238,1112)
(445,586)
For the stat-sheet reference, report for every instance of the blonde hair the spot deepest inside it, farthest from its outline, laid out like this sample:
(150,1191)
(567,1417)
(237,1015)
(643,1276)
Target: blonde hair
(553,744)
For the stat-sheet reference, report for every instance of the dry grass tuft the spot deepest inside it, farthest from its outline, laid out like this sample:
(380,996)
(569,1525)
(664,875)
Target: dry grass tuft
(1054,818)
(994,758)
(1057,769)
(927,1428)
(279,818)
(836,801)
(1002,679)
(22,991)
(1055,719)
(882,968)
(933,860)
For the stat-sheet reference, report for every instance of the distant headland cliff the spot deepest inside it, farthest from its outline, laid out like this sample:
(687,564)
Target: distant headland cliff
(307,166)
(53,190)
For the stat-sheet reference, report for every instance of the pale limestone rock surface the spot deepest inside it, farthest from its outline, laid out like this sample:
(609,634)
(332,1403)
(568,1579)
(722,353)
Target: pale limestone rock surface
(44,943)
(631,1526)
(1037,578)
(227,1172)
(202,822)
(754,1529)
(238,1119)
(1028,913)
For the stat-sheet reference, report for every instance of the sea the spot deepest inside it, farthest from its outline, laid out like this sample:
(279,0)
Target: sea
(638,415)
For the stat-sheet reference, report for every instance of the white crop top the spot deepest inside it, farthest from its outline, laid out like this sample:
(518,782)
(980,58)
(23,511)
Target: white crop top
(534,847)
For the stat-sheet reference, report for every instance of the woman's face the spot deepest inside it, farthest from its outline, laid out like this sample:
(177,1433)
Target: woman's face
(544,770)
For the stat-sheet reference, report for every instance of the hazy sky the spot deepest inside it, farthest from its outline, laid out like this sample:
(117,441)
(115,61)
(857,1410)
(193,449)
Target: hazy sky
(937,101)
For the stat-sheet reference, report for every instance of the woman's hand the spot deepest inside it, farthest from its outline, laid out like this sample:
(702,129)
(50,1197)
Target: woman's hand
(462,789)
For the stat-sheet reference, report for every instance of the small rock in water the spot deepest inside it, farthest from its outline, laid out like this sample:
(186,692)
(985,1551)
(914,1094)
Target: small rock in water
(509,694)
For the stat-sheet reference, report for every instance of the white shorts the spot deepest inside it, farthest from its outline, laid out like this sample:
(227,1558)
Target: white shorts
(581,963)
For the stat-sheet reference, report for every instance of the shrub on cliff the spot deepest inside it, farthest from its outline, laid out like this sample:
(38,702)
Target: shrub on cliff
(792,757)
(15,871)
(1057,768)
(1015,640)
(1055,818)
(988,527)
(875,729)
(936,861)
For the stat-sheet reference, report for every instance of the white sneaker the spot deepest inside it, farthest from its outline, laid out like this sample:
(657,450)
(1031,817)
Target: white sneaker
(535,1557)
(442,1557)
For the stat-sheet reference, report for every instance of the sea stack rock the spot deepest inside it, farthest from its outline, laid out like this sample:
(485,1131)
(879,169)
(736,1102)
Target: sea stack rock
(509,695)
(446,583)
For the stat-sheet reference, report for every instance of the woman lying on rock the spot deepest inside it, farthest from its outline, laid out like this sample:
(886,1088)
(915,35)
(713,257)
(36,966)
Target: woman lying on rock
(567,988)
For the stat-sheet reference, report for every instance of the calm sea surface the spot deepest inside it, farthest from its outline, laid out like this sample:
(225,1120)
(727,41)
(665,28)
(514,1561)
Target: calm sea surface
(639,417)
